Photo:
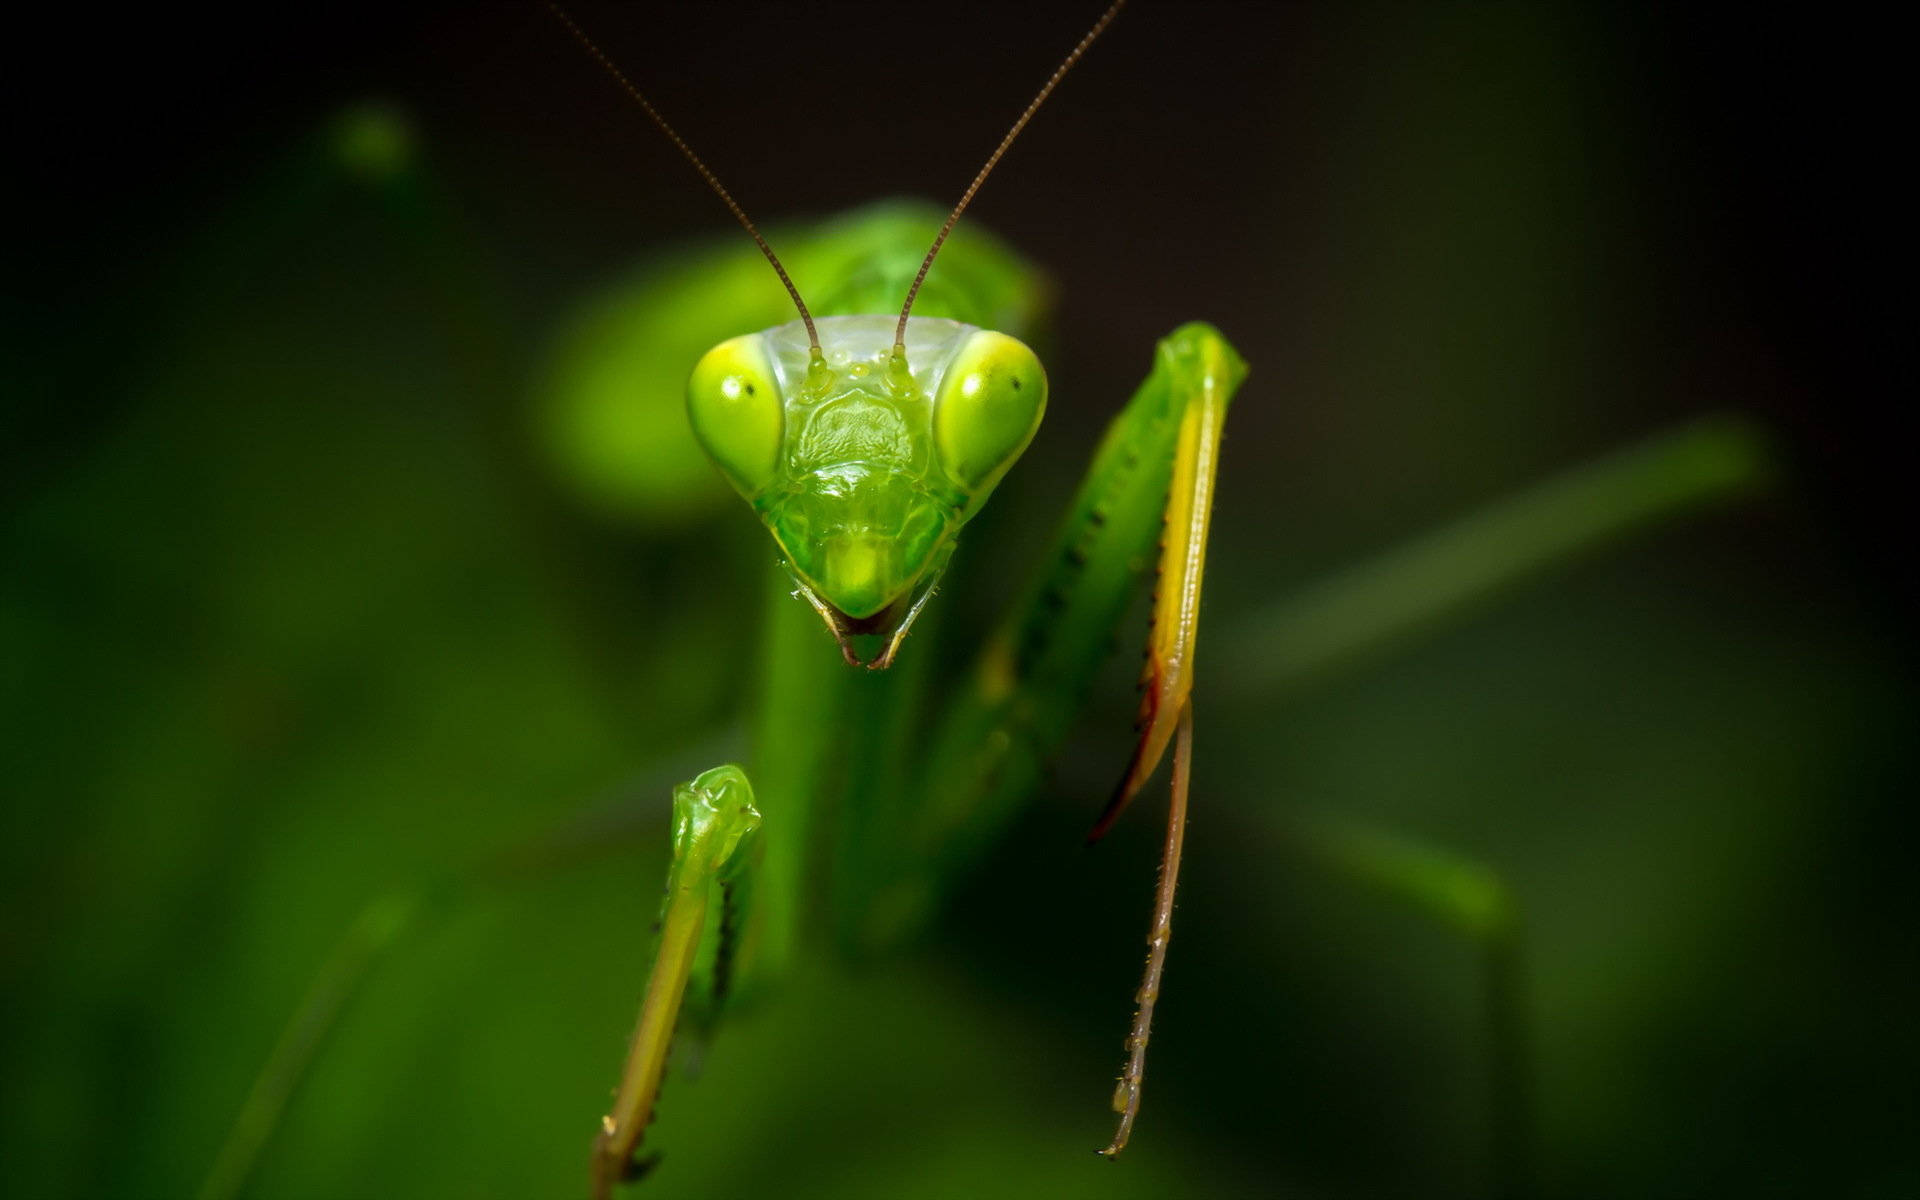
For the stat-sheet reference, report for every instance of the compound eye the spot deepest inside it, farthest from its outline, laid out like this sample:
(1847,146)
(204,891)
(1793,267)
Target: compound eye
(989,406)
(733,404)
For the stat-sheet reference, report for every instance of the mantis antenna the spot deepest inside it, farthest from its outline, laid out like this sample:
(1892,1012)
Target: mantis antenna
(1046,89)
(713,181)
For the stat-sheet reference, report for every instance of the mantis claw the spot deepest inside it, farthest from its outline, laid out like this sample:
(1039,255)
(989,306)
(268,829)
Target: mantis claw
(1209,370)
(713,819)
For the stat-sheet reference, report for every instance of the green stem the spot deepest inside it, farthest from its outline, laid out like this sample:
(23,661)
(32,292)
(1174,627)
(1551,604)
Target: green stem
(1474,901)
(370,936)
(1510,1107)
(1446,572)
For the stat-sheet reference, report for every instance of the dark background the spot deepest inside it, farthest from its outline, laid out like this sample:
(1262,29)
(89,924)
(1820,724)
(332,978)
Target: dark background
(294,612)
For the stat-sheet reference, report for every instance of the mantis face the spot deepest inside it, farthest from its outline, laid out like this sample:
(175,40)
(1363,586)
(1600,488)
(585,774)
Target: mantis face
(864,464)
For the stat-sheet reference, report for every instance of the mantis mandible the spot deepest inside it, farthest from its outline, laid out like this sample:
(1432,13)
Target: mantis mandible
(865,442)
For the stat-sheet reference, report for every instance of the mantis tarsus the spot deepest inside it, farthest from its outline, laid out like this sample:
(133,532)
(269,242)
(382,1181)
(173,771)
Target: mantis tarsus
(893,909)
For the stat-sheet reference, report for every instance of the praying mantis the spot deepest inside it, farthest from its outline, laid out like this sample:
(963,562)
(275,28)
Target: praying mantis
(888,899)
(864,458)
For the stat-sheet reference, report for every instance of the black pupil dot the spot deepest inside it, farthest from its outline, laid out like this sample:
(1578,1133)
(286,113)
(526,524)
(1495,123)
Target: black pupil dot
(749,389)
(1016,385)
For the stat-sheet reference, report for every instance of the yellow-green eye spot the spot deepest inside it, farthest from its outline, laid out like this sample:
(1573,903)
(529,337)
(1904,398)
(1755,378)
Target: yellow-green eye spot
(990,403)
(733,404)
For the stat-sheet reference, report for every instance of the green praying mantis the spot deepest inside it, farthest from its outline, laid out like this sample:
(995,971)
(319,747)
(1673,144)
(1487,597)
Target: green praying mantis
(854,766)
(865,443)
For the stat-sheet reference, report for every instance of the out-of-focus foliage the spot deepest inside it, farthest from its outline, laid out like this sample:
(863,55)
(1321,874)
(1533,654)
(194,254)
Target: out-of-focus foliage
(296,613)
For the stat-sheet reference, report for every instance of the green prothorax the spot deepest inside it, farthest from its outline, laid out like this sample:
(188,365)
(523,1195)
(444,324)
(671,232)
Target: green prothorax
(863,464)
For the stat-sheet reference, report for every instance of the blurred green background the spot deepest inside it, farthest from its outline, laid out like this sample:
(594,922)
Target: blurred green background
(300,607)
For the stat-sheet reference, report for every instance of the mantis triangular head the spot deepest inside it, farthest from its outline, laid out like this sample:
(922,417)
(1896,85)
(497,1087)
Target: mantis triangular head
(864,456)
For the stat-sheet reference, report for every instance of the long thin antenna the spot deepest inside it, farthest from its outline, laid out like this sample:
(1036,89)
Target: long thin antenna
(713,181)
(1053,81)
